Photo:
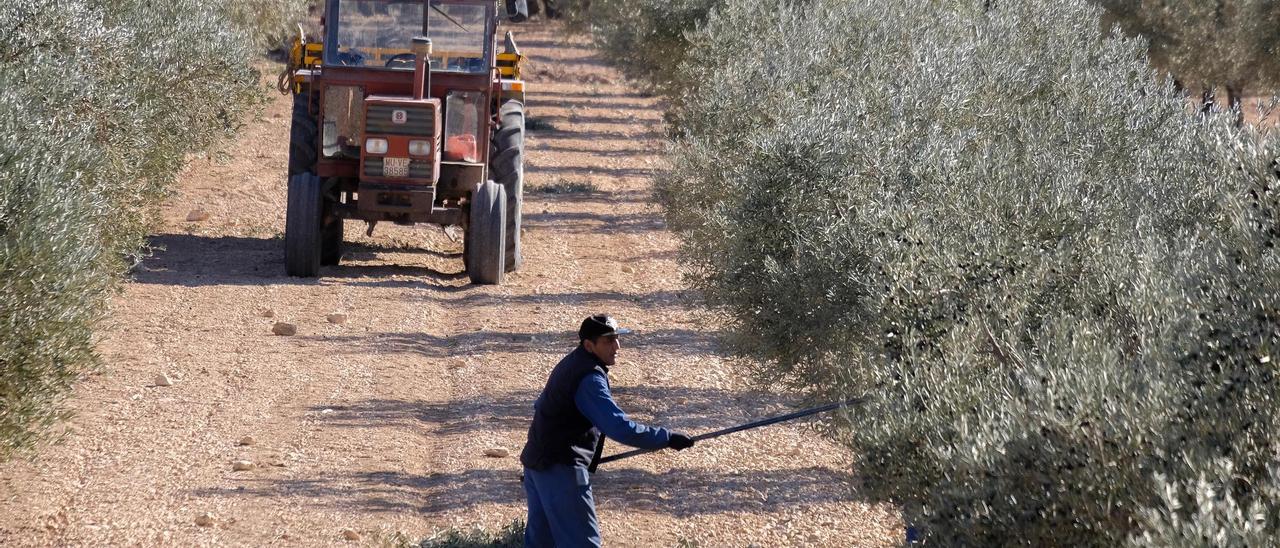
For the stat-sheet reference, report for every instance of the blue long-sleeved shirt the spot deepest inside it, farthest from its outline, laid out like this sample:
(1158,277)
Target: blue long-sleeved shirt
(596,402)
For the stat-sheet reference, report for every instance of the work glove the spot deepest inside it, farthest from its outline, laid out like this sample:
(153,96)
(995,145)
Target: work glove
(680,441)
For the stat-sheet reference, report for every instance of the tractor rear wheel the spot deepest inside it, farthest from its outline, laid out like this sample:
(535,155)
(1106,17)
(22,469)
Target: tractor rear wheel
(506,166)
(302,226)
(302,135)
(485,244)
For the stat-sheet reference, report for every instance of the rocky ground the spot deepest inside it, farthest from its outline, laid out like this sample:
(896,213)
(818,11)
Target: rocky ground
(204,427)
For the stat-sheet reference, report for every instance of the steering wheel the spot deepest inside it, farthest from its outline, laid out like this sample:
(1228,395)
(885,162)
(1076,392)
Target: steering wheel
(401,58)
(352,57)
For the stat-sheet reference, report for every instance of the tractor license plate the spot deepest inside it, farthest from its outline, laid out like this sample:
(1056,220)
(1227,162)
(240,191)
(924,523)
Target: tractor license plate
(395,167)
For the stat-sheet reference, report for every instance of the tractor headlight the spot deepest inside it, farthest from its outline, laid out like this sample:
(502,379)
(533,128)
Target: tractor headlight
(418,147)
(375,146)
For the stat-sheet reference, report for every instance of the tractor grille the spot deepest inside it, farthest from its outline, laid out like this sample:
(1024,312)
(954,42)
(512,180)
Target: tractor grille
(417,122)
(418,169)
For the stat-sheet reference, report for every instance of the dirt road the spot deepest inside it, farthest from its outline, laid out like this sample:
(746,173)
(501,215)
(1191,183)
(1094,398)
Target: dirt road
(379,424)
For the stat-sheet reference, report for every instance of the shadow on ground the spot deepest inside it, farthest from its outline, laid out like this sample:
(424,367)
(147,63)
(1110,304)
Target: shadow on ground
(599,197)
(696,410)
(601,299)
(191,260)
(618,172)
(588,99)
(580,222)
(597,135)
(677,342)
(678,492)
(558,97)
(554,145)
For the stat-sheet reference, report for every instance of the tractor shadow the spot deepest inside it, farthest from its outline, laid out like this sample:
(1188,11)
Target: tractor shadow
(189,260)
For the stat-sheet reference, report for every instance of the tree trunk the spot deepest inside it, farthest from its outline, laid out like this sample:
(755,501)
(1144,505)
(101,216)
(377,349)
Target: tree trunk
(1206,100)
(1234,99)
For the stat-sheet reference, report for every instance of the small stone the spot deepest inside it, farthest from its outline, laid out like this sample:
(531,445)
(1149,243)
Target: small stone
(337,318)
(163,380)
(284,329)
(204,520)
(628,270)
(247,440)
(497,452)
(350,534)
(197,215)
(242,465)
(267,313)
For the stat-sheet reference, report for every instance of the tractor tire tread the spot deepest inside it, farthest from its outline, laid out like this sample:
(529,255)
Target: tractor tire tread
(302,232)
(506,166)
(485,241)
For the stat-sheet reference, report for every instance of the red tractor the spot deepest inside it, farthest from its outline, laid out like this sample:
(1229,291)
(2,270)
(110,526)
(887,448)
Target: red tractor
(407,112)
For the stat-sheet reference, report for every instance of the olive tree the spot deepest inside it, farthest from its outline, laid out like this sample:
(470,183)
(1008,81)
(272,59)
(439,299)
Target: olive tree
(100,102)
(1055,288)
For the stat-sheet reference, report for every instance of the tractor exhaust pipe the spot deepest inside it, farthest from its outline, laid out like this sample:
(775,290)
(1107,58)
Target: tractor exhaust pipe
(421,67)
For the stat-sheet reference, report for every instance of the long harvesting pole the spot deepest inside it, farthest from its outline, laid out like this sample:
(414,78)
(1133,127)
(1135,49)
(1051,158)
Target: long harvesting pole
(748,426)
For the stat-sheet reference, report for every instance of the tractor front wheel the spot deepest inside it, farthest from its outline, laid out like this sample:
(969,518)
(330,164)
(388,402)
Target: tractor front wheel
(485,244)
(303,226)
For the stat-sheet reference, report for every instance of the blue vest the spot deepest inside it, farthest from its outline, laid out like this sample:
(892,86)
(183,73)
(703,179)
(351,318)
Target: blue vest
(560,434)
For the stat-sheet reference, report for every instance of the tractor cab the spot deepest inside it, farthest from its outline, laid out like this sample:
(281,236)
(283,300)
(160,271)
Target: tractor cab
(407,112)
(378,34)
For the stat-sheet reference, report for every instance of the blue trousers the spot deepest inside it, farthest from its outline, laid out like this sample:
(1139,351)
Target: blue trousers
(562,512)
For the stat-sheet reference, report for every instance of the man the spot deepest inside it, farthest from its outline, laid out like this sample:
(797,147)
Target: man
(565,439)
